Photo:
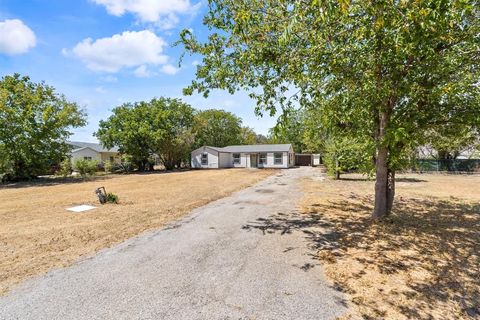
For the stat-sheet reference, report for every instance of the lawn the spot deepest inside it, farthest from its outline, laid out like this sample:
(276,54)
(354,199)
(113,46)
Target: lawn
(38,234)
(423,262)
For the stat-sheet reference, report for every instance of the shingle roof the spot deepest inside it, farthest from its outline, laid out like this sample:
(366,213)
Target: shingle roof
(94,146)
(255,148)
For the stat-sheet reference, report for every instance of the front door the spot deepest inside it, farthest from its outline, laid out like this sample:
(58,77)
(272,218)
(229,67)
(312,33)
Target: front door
(253,161)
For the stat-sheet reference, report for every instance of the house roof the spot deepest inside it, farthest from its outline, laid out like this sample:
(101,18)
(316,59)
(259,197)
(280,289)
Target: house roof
(77,145)
(255,148)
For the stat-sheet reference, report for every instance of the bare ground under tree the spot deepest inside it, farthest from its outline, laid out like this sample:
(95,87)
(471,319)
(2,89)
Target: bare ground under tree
(421,263)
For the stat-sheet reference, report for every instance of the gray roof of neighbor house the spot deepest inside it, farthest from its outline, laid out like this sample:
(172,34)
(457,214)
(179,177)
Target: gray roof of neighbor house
(94,146)
(255,148)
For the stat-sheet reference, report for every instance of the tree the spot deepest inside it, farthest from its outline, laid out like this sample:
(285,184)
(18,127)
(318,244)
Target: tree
(315,135)
(261,139)
(130,128)
(34,126)
(217,128)
(342,154)
(290,128)
(449,141)
(65,168)
(388,70)
(161,126)
(341,150)
(174,141)
(248,136)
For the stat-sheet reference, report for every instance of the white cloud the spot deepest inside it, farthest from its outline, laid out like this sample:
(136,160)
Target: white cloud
(100,90)
(109,78)
(163,12)
(142,72)
(195,63)
(126,50)
(168,22)
(169,69)
(229,103)
(15,37)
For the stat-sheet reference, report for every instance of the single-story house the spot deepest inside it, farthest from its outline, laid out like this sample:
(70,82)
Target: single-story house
(244,156)
(93,151)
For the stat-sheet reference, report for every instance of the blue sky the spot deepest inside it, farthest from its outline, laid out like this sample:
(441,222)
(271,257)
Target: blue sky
(102,53)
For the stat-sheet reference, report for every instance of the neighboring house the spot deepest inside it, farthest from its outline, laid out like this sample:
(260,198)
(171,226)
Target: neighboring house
(93,151)
(427,152)
(245,156)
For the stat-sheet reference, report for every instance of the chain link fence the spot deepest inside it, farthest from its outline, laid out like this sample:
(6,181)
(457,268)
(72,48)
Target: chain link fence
(449,165)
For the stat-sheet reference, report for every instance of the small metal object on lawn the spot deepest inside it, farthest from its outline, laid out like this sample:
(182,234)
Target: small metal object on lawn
(101,194)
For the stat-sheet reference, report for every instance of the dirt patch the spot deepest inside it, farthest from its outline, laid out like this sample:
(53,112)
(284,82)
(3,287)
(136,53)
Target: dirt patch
(264,191)
(423,262)
(249,202)
(38,234)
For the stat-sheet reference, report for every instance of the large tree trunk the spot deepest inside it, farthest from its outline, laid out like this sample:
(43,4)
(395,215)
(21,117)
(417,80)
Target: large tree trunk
(381,184)
(385,178)
(384,190)
(390,190)
(337,170)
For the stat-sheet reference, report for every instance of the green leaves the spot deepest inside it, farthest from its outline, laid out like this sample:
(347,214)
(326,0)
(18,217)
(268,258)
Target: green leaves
(34,125)
(382,72)
(416,60)
(290,128)
(218,128)
(161,126)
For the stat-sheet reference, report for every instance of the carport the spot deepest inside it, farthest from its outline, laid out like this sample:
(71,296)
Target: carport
(303,159)
(308,159)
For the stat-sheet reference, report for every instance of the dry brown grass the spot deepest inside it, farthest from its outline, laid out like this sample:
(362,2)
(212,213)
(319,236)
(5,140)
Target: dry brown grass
(421,263)
(38,234)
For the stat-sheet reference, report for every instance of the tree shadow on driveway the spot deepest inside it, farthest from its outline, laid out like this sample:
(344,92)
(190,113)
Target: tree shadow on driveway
(423,262)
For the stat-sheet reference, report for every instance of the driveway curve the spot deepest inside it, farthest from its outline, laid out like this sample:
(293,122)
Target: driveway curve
(220,262)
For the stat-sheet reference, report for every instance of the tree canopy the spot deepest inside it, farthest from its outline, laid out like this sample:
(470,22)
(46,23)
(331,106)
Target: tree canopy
(249,136)
(290,128)
(160,127)
(387,72)
(35,123)
(219,128)
(449,141)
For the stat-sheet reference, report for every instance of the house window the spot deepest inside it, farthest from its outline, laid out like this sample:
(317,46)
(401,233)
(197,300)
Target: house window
(278,158)
(111,158)
(204,159)
(263,158)
(236,158)
(87,158)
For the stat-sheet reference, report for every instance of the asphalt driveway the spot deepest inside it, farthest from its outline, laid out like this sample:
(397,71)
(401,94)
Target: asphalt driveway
(223,261)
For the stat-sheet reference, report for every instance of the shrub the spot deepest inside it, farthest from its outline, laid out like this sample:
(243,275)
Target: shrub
(347,154)
(86,167)
(6,172)
(109,166)
(112,198)
(65,168)
(126,165)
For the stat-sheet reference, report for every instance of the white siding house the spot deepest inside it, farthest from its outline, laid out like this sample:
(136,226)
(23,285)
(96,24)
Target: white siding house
(205,157)
(244,156)
(93,151)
